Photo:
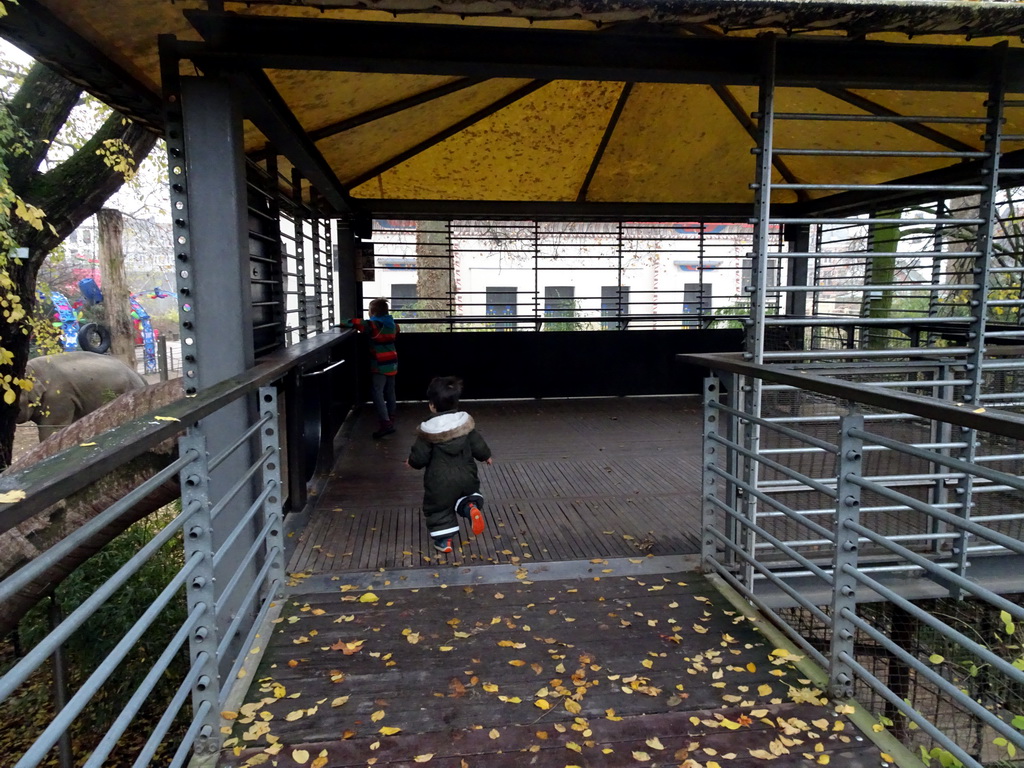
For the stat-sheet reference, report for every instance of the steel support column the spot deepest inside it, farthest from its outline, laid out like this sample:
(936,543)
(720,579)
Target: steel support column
(844,595)
(217,329)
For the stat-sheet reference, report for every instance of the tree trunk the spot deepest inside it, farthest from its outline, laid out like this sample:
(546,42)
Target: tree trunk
(433,273)
(21,544)
(115,285)
(68,194)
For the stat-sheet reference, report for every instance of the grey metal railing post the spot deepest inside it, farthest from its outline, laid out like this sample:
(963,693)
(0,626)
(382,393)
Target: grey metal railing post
(709,484)
(161,357)
(272,507)
(729,388)
(844,595)
(198,537)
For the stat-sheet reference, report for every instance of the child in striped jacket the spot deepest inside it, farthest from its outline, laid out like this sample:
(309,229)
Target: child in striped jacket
(382,330)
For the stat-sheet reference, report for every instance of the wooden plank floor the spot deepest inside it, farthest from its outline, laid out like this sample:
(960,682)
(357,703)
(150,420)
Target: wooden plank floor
(627,663)
(571,479)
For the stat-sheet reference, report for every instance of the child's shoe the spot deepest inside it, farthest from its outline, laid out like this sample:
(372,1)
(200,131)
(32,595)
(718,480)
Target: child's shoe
(443,545)
(477,518)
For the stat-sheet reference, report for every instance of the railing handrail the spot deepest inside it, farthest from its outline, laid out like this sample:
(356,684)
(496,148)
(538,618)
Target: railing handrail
(74,468)
(968,415)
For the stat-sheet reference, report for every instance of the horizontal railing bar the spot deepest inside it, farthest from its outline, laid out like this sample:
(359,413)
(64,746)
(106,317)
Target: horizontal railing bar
(823,617)
(867,221)
(774,503)
(777,542)
(141,694)
(998,422)
(858,287)
(868,417)
(878,153)
(958,188)
(912,714)
(755,456)
(240,483)
(184,751)
(241,527)
(868,354)
(940,573)
(955,694)
(46,560)
(867,255)
(961,467)
(259,582)
(958,522)
(73,708)
(232,447)
(57,477)
(999,365)
(844,321)
(985,549)
(166,720)
(795,434)
(46,647)
(983,653)
(862,118)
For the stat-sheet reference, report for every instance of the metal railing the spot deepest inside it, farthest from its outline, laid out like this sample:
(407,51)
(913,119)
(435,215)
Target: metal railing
(857,497)
(222,583)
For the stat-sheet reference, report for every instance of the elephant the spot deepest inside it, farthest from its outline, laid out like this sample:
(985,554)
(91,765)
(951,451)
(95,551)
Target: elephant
(68,385)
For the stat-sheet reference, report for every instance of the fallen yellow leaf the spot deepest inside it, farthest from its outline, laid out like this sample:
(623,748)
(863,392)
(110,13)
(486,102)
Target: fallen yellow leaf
(300,756)
(389,730)
(423,758)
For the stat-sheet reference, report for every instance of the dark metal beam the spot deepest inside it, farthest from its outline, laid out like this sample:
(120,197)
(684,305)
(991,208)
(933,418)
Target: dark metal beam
(874,108)
(38,32)
(737,111)
(559,211)
(547,54)
(448,132)
(607,137)
(262,104)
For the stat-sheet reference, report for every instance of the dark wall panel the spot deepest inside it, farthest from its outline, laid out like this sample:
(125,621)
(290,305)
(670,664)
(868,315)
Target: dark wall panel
(558,363)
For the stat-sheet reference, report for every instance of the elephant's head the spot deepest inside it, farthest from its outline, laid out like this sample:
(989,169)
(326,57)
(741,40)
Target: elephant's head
(28,403)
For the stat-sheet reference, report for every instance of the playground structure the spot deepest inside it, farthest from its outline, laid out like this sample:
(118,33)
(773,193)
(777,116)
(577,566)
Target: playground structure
(74,335)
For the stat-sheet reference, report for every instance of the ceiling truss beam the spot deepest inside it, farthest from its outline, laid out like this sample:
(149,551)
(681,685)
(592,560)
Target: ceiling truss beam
(547,54)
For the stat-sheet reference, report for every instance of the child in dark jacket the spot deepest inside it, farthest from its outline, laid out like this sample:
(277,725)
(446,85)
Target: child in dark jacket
(448,446)
(382,331)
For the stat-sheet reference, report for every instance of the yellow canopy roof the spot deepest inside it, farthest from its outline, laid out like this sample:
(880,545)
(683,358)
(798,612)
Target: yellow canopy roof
(559,106)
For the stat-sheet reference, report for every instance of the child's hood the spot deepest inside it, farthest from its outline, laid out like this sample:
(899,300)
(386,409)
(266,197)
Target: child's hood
(446,426)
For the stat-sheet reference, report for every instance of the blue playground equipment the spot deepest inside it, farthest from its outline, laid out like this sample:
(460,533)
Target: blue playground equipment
(68,318)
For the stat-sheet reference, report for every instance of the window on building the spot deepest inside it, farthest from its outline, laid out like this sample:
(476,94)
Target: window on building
(696,301)
(501,302)
(558,301)
(614,303)
(403,300)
